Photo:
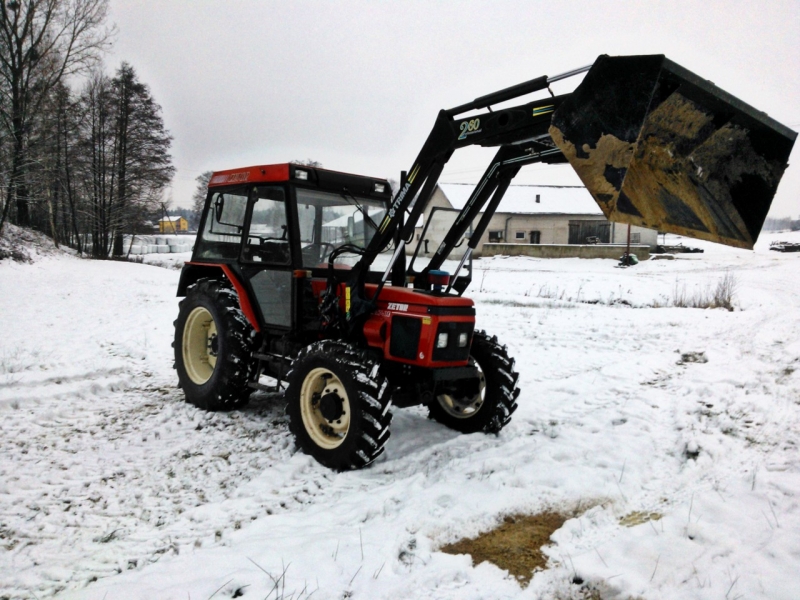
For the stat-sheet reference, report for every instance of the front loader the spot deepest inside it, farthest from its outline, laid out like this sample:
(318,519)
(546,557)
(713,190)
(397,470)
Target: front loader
(300,273)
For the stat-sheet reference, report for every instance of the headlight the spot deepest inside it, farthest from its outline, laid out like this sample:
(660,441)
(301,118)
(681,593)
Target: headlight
(441,340)
(463,338)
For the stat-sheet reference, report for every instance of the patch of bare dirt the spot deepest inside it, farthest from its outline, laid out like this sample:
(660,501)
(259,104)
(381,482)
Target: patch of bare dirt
(516,545)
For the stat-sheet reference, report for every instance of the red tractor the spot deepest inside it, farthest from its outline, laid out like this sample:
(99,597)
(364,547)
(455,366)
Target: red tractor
(300,273)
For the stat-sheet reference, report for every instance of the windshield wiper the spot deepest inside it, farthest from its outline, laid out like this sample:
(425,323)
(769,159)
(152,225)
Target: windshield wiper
(345,194)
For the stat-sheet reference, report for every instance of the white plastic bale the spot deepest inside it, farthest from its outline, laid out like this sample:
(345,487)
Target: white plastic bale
(163,249)
(136,249)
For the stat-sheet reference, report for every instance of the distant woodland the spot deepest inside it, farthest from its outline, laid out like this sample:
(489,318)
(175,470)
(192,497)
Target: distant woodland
(84,154)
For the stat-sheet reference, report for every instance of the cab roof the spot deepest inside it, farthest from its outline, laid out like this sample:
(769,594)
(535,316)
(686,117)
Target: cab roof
(301,174)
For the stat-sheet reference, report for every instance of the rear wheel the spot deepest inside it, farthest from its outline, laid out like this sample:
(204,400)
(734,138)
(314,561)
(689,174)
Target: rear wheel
(338,405)
(488,408)
(213,347)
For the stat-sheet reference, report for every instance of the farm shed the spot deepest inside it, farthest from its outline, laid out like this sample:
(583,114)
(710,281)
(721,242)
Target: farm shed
(173,225)
(540,215)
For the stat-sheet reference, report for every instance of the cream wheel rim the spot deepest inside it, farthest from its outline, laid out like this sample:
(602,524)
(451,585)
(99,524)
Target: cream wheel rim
(325,408)
(200,345)
(464,408)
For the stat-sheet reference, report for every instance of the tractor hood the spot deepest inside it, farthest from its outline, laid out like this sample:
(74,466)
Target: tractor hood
(659,147)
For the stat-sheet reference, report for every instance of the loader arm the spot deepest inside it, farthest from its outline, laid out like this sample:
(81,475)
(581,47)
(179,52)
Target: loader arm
(655,145)
(526,125)
(523,129)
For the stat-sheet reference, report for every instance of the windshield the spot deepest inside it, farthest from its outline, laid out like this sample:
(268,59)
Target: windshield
(438,225)
(328,220)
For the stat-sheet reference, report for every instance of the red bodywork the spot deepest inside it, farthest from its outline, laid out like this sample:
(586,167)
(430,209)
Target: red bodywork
(256,174)
(408,303)
(244,299)
(378,327)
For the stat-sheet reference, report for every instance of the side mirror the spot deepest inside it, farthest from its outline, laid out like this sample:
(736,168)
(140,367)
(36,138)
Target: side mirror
(351,227)
(219,206)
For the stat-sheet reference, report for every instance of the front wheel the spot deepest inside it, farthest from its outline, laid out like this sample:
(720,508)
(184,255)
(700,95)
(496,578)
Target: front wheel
(488,408)
(338,405)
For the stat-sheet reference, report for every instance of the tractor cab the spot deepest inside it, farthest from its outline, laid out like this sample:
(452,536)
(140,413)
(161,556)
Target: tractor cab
(275,226)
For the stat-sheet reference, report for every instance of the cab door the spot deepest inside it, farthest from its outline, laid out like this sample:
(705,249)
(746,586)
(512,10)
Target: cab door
(266,256)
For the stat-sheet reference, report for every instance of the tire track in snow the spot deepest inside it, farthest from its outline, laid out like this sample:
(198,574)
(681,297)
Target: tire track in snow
(93,490)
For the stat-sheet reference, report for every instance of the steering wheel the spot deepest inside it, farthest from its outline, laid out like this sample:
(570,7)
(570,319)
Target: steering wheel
(316,253)
(263,240)
(270,249)
(325,250)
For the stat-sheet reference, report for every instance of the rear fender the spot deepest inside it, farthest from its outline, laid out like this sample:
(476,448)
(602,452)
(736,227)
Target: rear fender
(193,272)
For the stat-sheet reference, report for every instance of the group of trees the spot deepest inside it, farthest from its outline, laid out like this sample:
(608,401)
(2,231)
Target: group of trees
(782,224)
(84,165)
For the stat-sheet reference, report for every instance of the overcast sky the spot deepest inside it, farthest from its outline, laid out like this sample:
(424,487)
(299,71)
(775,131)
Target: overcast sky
(357,85)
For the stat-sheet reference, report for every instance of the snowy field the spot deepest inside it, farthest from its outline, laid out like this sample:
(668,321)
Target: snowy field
(671,434)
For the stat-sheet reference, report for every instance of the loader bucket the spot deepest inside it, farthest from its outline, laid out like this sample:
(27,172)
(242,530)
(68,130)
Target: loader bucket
(659,147)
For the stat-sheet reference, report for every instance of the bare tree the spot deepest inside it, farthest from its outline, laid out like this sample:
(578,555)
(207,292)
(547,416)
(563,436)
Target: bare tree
(309,162)
(96,153)
(200,193)
(41,43)
(125,163)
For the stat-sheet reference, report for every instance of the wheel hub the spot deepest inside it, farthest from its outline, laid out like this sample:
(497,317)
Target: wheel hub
(465,402)
(330,405)
(325,408)
(200,345)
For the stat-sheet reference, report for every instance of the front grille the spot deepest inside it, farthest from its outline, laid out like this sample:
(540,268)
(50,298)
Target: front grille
(452,352)
(405,337)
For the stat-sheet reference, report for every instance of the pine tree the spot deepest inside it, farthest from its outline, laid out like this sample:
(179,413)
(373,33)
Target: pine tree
(143,163)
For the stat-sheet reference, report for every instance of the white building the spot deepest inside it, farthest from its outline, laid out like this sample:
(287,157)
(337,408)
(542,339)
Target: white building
(530,214)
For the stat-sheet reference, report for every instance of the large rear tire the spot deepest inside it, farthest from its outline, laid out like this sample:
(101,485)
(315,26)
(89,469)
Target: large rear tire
(338,405)
(213,347)
(491,408)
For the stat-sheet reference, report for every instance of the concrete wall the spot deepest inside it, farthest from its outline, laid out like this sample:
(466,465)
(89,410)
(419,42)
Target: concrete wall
(613,251)
(619,235)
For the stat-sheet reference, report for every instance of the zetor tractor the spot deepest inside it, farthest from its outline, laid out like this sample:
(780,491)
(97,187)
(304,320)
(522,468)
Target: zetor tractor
(300,274)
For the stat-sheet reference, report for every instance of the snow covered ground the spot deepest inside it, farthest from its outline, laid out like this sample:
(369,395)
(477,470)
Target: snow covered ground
(684,474)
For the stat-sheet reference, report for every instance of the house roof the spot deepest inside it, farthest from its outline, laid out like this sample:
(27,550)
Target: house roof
(521,199)
(172,219)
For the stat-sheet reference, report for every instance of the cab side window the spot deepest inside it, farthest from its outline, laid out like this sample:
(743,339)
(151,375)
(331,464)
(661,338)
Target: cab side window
(222,231)
(268,237)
